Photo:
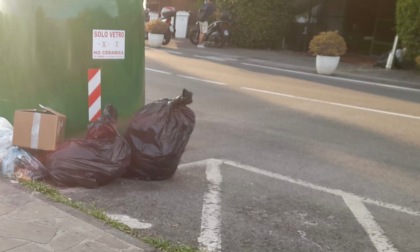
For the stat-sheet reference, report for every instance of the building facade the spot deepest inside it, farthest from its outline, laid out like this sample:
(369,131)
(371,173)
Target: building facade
(368,26)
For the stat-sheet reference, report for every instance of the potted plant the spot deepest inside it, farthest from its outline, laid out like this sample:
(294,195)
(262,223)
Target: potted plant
(156,29)
(328,47)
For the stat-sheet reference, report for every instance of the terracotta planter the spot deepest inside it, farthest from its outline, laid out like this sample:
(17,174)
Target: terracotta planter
(155,40)
(326,64)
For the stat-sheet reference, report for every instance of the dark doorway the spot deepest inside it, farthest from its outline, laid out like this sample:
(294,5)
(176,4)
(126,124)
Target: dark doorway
(370,26)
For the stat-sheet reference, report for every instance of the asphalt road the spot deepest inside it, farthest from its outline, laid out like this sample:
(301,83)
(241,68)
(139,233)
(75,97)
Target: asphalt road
(279,160)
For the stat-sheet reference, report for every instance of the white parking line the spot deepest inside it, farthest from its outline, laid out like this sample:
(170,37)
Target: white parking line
(322,189)
(210,237)
(333,103)
(354,202)
(203,80)
(335,78)
(365,218)
(129,221)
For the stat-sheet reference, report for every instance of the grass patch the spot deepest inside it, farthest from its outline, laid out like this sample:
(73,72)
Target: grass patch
(54,195)
(165,245)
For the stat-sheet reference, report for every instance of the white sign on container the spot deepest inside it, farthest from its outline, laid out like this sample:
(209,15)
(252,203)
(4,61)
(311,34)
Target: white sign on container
(108,44)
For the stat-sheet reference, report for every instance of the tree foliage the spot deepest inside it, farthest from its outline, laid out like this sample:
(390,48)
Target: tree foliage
(258,24)
(408,26)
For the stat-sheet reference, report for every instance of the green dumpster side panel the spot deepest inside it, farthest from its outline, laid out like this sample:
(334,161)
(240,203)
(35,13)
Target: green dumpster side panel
(46,51)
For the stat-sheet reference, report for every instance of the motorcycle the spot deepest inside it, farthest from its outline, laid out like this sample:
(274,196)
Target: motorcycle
(218,33)
(166,15)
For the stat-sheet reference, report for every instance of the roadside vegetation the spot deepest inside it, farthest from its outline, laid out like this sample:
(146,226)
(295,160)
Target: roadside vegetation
(258,24)
(53,194)
(408,27)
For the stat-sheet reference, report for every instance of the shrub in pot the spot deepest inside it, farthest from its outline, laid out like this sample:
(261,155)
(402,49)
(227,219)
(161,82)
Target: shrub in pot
(328,47)
(156,29)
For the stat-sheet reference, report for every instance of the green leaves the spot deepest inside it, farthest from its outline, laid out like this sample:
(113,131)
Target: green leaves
(258,24)
(408,26)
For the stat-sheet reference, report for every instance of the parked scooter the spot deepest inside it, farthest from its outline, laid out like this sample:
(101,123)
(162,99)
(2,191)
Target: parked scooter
(218,32)
(166,15)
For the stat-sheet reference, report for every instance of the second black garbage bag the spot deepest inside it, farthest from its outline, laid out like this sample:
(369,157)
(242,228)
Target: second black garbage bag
(101,157)
(158,134)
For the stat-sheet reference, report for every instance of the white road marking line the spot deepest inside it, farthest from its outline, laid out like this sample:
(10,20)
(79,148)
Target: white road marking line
(210,236)
(215,58)
(157,71)
(203,80)
(174,52)
(193,164)
(334,103)
(363,216)
(187,77)
(336,78)
(131,222)
(366,220)
(303,183)
(321,188)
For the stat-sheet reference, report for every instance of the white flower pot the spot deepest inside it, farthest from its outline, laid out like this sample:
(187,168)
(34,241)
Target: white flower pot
(155,40)
(326,64)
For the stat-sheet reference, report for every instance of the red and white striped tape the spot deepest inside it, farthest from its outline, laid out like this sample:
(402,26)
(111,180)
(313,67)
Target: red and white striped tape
(94,82)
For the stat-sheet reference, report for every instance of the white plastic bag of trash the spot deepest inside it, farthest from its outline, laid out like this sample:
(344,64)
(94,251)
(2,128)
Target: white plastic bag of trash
(19,164)
(5,124)
(6,137)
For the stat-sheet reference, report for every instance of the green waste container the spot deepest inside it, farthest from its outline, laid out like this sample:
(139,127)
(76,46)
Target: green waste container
(51,49)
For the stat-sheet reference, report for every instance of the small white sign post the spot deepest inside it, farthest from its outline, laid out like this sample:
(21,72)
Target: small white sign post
(108,44)
(391,55)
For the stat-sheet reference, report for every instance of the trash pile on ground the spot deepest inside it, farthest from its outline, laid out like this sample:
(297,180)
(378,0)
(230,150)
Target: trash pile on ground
(151,148)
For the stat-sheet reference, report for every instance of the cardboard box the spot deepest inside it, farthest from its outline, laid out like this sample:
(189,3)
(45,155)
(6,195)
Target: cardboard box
(41,129)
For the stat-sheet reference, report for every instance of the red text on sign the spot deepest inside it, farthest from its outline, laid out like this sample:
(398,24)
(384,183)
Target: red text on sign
(117,34)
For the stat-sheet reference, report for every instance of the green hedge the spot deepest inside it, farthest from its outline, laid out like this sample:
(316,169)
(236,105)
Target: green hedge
(258,24)
(408,26)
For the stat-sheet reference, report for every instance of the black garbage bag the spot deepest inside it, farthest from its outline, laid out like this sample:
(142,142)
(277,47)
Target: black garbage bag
(100,158)
(158,134)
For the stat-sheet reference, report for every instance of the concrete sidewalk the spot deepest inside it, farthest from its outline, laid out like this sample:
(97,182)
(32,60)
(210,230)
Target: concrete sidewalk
(29,223)
(355,67)
(351,66)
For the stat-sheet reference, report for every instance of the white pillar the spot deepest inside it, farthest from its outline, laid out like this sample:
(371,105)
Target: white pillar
(391,55)
(181,24)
